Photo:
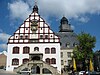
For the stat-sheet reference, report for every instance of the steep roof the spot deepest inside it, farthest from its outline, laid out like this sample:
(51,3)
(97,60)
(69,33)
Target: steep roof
(34,30)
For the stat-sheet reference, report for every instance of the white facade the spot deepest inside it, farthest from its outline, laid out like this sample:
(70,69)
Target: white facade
(34,32)
(66,57)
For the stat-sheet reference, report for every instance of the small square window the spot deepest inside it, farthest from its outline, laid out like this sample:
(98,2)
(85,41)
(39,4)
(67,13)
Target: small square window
(21,37)
(46,36)
(26,28)
(41,36)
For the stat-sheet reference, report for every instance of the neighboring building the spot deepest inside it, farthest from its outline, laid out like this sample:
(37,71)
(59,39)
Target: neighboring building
(3,59)
(33,36)
(68,40)
(97,61)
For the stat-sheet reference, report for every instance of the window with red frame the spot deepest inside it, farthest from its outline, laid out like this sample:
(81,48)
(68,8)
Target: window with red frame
(15,50)
(47,50)
(25,60)
(53,61)
(53,50)
(26,50)
(47,60)
(15,61)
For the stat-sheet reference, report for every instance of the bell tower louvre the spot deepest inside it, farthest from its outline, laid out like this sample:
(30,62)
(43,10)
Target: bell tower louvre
(33,35)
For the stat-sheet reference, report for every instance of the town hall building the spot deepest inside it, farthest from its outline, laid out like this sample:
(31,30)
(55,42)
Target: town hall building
(33,40)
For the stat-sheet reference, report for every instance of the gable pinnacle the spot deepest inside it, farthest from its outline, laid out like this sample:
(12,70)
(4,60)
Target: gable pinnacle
(35,8)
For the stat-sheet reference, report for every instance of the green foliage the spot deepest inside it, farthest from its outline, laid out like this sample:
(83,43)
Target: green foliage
(86,44)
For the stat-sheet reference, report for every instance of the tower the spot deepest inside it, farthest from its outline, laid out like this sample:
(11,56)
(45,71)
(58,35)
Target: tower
(64,26)
(68,40)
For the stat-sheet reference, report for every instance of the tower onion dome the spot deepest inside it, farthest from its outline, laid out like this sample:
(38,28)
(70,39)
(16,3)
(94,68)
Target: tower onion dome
(35,8)
(64,20)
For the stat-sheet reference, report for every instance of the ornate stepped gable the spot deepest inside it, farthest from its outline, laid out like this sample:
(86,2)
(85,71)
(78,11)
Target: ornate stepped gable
(34,29)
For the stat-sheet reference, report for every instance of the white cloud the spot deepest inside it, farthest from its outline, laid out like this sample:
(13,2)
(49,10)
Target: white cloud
(84,19)
(69,8)
(19,9)
(3,46)
(4,37)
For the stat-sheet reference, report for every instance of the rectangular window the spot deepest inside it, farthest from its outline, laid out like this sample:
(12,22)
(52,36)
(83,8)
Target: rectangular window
(61,54)
(15,50)
(69,54)
(15,61)
(62,62)
(69,62)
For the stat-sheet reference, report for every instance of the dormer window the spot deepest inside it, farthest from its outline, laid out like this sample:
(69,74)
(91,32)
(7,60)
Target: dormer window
(68,45)
(74,44)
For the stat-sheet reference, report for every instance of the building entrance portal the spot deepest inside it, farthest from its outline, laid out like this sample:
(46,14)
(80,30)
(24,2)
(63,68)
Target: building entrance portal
(35,70)
(35,56)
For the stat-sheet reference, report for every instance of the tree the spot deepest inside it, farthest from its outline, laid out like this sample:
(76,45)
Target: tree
(84,49)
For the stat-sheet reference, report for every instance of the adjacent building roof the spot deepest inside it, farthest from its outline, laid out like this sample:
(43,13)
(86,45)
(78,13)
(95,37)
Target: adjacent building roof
(68,39)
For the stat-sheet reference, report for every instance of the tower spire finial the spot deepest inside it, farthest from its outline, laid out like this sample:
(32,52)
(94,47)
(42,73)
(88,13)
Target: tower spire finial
(35,8)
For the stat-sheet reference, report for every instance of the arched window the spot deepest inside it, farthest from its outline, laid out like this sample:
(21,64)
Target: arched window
(15,61)
(53,61)
(35,69)
(47,60)
(15,50)
(25,60)
(46,71)
(53,50)
(26,50)
(36,49)
(47,51)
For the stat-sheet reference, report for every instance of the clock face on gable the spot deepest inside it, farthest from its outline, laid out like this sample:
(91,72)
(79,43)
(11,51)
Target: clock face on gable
(34,25)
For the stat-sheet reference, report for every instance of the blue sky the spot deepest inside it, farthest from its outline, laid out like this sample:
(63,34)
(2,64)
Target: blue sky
(83,15)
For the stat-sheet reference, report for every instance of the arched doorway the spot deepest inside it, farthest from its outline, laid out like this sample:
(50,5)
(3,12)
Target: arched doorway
(35,70)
